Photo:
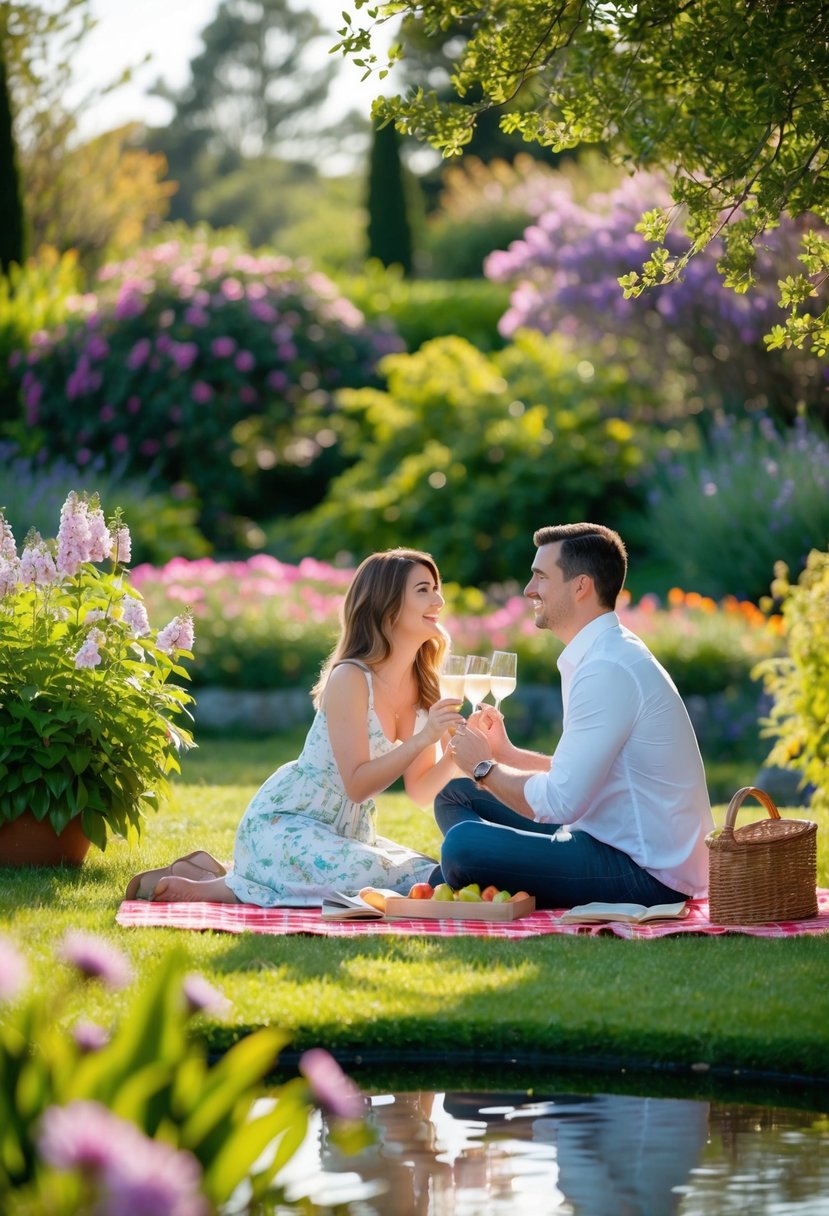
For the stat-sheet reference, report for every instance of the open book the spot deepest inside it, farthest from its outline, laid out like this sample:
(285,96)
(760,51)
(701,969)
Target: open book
(338,906)
(635,913)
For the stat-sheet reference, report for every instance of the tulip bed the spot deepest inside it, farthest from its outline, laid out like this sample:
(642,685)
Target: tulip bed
(724,1004)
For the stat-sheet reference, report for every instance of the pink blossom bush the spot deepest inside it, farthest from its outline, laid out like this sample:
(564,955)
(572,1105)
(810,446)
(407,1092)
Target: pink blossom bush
(210,365)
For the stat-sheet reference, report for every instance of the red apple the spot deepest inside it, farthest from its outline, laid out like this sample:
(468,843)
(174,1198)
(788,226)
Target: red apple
(489,893)
(421,890)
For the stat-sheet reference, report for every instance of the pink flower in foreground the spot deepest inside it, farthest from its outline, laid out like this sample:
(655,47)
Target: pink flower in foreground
(13,970)
(332,1089)
(88,656)
(9,571)
(178,635)
(73,535)
(134,1176)
(201,996)
(121,546)
(89,1036)
(37,565)
(134,616)
(95,959)
(99,536)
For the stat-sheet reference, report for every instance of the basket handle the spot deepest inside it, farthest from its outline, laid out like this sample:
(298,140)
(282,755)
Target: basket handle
(738,800)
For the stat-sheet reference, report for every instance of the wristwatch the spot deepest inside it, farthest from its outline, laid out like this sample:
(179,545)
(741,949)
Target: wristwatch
(482,770)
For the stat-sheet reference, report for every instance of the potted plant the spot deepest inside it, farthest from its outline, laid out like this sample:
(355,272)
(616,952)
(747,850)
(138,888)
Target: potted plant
(86,700)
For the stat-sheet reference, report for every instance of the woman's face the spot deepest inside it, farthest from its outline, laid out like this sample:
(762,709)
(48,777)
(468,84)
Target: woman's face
(420,607)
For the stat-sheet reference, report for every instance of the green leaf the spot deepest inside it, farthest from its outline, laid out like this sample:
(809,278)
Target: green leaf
(246,1063)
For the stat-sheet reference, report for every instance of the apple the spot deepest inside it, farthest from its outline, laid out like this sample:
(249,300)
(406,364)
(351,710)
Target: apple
(443,891)
(503,897)
(470,894)
(421,890)
(489,893)
(519,895)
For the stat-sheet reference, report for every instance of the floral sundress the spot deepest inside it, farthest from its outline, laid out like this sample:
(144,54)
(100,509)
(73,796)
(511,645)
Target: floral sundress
(301,837)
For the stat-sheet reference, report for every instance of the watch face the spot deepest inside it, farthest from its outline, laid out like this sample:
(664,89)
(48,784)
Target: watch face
(481,769)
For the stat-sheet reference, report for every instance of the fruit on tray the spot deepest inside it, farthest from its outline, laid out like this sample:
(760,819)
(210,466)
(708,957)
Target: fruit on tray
(470,894)
(376,898)
(421,890)
(443,892)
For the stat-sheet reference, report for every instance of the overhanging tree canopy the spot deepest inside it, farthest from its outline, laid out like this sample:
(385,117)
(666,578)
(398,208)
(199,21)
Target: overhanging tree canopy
(728,97)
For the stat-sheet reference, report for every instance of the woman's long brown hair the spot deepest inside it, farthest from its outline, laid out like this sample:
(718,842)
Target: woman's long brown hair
(371,607)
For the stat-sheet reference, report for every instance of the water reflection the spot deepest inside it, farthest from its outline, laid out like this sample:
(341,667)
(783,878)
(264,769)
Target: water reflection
(470,1154)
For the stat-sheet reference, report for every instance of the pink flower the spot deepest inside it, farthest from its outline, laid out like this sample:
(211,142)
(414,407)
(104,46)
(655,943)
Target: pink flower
(134,616)
(73,535)
(134,1175)
(37,565)
(95,959)
(201,392)
(99,536)
(177,635)
(89,1036)
(223,348)
(13,970)
(8,548)
(9,571)
(201,995)
(121,546)
(332,1089)
(245,361)
(139,354)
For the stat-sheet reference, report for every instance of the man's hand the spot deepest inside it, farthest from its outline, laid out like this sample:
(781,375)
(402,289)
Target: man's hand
(469,746)
(491,725)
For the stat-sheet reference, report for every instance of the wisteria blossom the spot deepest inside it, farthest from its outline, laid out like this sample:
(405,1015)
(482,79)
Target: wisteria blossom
(95,959)
(89,654)
(121,545)
(134,616)
(36,563)
(8,548)
(100,541)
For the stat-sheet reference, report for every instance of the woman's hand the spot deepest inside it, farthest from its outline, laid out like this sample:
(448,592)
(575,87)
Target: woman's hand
(491,725)
(443,716)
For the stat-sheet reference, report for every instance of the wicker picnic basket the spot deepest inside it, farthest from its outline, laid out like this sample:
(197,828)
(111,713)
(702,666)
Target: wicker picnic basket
(765,871)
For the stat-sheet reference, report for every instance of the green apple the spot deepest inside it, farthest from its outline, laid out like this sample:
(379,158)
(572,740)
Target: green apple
(443,891)
(470,894)
(503,897)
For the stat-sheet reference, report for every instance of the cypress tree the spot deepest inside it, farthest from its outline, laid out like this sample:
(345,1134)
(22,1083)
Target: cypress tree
(389,230)
(11,206)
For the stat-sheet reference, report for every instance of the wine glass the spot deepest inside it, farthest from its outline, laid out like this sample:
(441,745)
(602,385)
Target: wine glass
(476,680)
(502,674)
(452,676)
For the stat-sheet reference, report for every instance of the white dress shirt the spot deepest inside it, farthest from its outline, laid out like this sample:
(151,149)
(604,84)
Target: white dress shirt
(627,768)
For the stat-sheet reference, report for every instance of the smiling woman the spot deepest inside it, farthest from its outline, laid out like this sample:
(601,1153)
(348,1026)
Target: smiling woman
(310,829)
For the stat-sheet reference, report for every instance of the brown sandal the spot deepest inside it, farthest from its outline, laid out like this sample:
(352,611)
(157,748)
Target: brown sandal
(199,863)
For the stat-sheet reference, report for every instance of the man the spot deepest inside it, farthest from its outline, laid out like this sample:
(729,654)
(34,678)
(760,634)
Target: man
(621,811)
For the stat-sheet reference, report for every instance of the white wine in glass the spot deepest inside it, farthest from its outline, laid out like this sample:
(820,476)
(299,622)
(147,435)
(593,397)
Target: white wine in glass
(503,670)
(476,681)
(452,677)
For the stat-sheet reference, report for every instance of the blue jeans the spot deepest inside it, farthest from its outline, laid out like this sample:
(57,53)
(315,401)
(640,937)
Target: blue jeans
(486,842)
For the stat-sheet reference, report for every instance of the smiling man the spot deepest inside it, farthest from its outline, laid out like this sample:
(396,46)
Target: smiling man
(621,811)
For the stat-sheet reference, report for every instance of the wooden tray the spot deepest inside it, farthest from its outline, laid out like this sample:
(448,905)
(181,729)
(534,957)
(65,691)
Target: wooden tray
(444,909)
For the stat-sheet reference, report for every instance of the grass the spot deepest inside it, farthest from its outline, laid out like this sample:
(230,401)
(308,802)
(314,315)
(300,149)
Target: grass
(727,1004)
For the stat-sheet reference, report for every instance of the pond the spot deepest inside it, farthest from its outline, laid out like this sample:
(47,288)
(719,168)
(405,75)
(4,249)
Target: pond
(465,1153)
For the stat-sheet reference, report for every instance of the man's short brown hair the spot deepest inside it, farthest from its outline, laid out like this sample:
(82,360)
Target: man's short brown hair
(590,549)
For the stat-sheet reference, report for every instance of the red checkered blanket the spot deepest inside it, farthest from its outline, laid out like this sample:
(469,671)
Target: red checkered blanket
(246,918)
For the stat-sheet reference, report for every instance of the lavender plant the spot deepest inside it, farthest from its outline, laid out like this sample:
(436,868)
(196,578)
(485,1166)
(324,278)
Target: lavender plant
(86,700)
(567,268)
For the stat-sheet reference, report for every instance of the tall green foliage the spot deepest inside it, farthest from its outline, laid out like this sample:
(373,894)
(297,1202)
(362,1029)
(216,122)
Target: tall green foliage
(11,206)
(389,230)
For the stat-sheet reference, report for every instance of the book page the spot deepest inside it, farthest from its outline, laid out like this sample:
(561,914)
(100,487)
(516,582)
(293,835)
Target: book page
(637,913)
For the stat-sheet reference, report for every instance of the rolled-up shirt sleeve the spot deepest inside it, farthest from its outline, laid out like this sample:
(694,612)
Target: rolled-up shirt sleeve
(603,704)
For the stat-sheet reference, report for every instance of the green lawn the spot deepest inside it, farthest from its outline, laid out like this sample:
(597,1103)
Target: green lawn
(731,1003)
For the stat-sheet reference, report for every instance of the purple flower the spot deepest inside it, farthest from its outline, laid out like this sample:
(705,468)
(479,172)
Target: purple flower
(13,970)
(223,348)
(177,635)
(245,361)
(332,1089)
(201,996)
(73,535)
(133,1175)
(95,959)
(134,616)
(201,392)
(139,354)
(89,1036)
(8,548)
(121,546)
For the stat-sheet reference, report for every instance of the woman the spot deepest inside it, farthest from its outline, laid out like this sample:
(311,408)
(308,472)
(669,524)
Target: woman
(310,829)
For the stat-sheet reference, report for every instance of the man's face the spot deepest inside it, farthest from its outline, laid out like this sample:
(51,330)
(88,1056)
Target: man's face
(552,598)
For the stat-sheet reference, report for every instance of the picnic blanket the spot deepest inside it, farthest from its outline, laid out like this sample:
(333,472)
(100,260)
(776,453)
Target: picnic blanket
(246,918)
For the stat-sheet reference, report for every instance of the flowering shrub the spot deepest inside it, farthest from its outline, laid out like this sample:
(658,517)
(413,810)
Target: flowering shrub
(209,365)
(86,702)
(799,682)
(566,270)
(132,1118)
(749,496)
(267,624)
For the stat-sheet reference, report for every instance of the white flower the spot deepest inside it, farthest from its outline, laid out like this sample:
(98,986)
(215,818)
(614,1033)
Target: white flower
(121,545)
(134,616)
(178,635)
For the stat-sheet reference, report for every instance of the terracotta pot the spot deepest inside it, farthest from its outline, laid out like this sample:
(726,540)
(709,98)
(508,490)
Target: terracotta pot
(31,842)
